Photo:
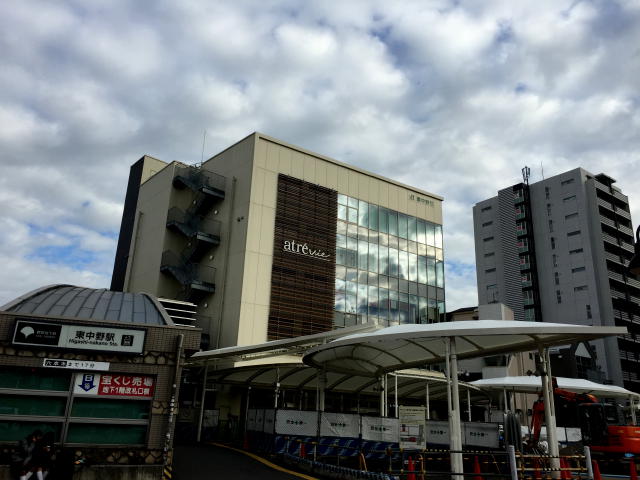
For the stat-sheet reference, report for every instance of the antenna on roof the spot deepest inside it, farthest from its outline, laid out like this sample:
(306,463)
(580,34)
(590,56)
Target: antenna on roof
(204,137)
(541,169)
(526,171)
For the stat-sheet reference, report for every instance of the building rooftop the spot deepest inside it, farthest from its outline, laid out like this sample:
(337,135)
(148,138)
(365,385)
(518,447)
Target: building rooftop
(90,304)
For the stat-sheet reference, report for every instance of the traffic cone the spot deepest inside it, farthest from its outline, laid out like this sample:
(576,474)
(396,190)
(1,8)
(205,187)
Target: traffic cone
(565,474)
(411,469)
(476,469)
(633,473)
(302,450)
(596,470)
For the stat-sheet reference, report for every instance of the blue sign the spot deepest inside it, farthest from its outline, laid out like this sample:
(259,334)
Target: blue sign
(87,382)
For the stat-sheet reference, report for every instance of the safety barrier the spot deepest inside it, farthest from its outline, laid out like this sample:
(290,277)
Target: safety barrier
(338,455)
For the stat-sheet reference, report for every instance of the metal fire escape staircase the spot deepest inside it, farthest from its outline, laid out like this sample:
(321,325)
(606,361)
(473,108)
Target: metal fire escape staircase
(201,234)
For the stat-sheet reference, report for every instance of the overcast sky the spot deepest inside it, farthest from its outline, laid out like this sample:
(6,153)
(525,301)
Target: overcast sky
(454,97)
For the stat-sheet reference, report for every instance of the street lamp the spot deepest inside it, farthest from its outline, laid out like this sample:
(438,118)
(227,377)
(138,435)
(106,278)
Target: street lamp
(634,263)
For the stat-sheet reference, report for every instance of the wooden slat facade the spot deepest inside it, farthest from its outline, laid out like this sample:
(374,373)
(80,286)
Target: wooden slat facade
(303,286)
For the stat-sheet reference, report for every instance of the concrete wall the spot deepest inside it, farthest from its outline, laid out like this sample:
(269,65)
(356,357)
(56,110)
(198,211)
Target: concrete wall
(273,157)
(224,307)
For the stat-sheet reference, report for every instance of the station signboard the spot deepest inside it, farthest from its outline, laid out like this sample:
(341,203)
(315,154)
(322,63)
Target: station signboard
(78,337)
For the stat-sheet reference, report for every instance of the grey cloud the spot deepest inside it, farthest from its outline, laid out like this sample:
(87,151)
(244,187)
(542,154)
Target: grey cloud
(453,97)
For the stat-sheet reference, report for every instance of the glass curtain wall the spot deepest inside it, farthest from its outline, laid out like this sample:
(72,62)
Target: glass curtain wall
(389,266)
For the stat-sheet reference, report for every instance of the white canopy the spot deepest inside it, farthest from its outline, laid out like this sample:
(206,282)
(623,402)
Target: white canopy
(532,384)
(297,376)
(406,346)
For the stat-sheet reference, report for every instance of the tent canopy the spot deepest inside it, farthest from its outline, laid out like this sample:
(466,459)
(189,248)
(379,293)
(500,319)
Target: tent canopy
(406,346)
(532,384)
(297,376)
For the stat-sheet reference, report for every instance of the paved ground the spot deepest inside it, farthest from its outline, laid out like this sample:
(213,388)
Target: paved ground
(209,462)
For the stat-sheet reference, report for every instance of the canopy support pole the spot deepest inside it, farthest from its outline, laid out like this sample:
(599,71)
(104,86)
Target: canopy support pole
(277,389)
(202,398)
(469,404)
(396,396)
(454,413)
(550,412)
(323,386)
(427,402)
(386,395)
(506,400)
(382,395)
(633,410)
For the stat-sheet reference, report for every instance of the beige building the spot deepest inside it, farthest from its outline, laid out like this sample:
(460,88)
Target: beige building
(273,241)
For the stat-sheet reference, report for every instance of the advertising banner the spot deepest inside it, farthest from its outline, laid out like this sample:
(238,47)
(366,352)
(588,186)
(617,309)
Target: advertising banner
(259,422)
(380,429)
(437,432)
(297,422)
(339,425)
(113,385)
(78,337)
(251,419)
(412,427)
(269,420)
(477,434)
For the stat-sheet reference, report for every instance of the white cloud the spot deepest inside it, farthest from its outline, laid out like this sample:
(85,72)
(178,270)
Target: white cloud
(453,97)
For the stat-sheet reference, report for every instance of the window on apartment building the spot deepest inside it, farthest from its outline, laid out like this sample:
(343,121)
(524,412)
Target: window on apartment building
(574,233)
(553,243)
(485,209)
(550,225)
(558,296)
(487,239)
(554,257)
(581,288)
(577,250)
(556,278)
(570,216)
(569,198)
(577,269)
(490,254)
(589,315)
(486,224)
(490,270)
(546,193)
(548,209)
(566,182)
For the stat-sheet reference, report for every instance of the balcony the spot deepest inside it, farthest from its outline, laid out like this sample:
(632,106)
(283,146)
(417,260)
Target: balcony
(523,248)
(208,186)
(521,215)
(525,266)
(528,301)
(203,234)
(618,243)
(521,232)
(526,283)
(197,280)
(629,281)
